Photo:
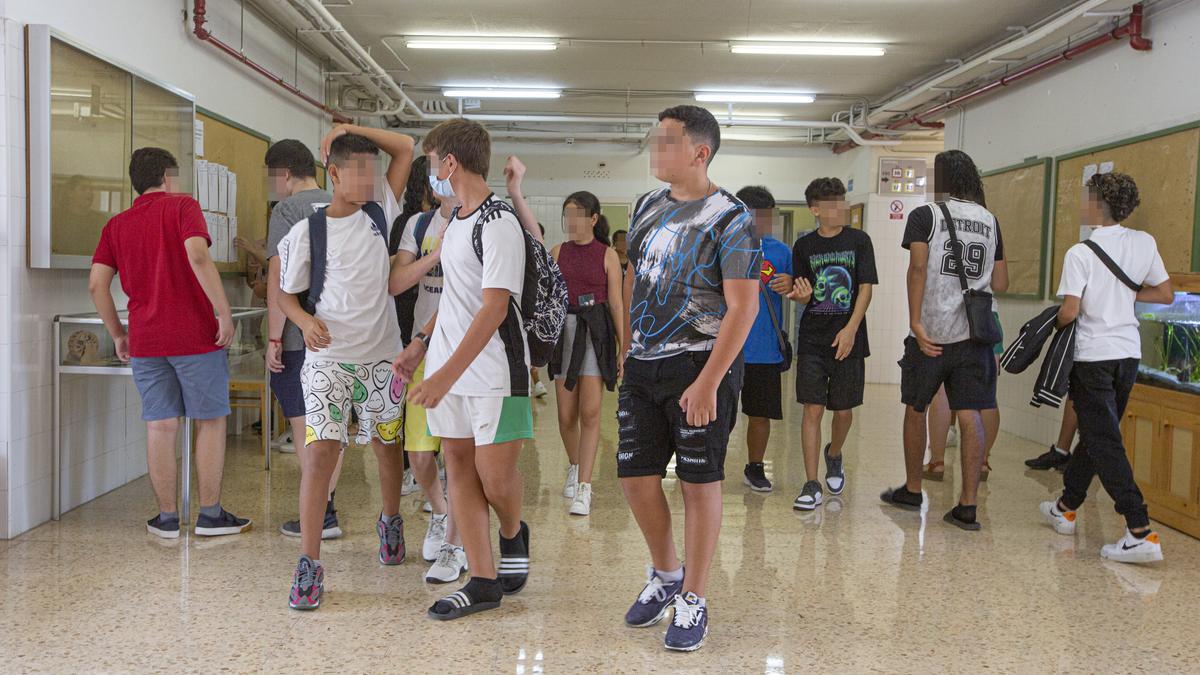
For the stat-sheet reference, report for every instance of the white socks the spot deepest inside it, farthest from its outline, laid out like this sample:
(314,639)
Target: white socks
(1061,451)
(670,577)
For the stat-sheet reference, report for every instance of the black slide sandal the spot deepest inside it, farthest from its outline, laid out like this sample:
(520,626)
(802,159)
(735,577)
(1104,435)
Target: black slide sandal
(460,605)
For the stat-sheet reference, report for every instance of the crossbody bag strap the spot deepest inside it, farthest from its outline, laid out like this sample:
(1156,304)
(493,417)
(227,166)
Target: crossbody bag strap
(955,247)
(762,288)
(1112,266)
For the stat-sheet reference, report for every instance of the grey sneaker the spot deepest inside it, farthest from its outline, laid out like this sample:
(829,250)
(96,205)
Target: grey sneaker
(330,529)
(835,475)
(810,497)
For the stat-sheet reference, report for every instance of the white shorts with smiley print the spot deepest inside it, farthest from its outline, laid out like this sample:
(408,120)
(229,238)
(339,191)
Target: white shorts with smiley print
(332,390)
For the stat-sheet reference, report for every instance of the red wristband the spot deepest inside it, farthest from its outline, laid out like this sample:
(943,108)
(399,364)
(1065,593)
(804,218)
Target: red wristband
(275,341)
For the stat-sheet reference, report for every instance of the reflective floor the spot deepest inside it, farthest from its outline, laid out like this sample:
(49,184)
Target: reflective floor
(853,587)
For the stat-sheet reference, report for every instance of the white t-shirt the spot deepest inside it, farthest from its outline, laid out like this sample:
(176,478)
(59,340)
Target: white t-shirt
(355,304)
(464,279)
(429,289)
(1107,328)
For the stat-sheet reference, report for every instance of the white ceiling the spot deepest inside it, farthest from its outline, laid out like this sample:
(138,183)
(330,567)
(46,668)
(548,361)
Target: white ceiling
(641,79)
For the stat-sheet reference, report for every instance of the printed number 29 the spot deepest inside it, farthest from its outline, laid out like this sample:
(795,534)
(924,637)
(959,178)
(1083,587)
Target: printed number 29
(973,257)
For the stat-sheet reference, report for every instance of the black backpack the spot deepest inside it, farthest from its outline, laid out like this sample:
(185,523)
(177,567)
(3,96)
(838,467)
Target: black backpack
(318,239)
(543,293)
(406,302)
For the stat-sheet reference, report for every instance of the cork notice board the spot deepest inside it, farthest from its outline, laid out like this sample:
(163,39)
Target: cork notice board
(242,150)
(1164,165)
(1019,196)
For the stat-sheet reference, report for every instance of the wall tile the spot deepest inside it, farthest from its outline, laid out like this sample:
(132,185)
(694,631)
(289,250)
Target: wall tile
(29,506)
(15,115)
(30,460)
(3,460)
(14,72)
(3,513)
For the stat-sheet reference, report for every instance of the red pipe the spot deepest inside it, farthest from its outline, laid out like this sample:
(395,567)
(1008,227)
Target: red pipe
(198,19)
(1132,29)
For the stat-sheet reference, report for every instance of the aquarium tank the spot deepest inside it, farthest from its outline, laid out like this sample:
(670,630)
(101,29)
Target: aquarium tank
(1171,343)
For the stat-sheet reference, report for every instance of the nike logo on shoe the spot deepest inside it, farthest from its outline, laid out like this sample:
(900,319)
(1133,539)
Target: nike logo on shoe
(1126,547)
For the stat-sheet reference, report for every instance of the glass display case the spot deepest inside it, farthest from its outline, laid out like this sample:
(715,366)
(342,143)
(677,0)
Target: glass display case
(1171,343)
(82,346)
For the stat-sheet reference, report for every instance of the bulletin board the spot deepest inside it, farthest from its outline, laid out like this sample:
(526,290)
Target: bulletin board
(242,150)
(858,216)
(1165,166)
(1019,197)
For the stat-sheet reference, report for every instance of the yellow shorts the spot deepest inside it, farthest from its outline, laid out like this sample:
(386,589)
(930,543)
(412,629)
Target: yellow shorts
(416,430)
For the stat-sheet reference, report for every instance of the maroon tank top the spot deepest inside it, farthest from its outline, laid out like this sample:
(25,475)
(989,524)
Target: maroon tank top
(583,269)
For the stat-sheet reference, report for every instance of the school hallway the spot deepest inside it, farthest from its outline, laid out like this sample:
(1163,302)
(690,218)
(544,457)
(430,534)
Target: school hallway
(852,587)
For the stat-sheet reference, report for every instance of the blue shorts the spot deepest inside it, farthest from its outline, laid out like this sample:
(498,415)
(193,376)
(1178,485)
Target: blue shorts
(286,385)
(194,386)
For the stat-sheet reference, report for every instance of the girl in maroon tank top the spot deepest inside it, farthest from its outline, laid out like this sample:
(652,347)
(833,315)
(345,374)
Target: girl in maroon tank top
(586,359)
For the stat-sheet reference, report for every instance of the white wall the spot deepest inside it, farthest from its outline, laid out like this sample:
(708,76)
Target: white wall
(106,440)
(1110,94)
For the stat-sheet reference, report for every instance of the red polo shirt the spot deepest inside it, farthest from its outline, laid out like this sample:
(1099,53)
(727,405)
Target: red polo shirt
(169,315)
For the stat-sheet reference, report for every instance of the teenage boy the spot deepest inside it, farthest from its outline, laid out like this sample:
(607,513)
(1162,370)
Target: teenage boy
(835,275)
(762,391)
(175,344)
(939,350)
(476,386)
(352,335)
(292,182)
(692,297)
(1107,349)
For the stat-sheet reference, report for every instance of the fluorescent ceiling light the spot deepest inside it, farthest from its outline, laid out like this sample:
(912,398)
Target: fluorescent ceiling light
(467,42)
(724,115)
(500,92)
(808,48)
(752,97)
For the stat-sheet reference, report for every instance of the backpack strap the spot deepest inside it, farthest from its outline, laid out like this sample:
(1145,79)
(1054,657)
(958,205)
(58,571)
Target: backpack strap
(318,242)
(378,219)
(1112,266)
(422,228)
(485,214)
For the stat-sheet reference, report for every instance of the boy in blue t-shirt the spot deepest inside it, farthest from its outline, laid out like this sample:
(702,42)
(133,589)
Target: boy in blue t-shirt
(762,391)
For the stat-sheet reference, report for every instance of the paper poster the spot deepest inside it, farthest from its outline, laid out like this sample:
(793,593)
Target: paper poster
(1106,167)
(222,189)
(198,137)
(202,184)
(1089,171)
(213,193)
(232,193)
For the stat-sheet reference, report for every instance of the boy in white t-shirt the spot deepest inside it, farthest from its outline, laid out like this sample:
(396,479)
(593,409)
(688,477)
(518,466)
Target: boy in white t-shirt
(476,385)
(1107,350)
(352,335)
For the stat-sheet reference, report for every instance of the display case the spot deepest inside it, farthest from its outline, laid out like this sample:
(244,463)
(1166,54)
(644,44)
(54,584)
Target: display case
(1161,427)
(82,346)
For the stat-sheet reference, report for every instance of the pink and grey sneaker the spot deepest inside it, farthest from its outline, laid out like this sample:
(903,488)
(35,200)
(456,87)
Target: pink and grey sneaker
(308,584)
(391,540)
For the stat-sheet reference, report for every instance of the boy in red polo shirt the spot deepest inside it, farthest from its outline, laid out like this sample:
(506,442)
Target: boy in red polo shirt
(175,342)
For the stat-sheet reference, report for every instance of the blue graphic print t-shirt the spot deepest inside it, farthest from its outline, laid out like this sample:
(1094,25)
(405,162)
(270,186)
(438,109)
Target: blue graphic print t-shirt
(835,266)
(762,345)
(680,254)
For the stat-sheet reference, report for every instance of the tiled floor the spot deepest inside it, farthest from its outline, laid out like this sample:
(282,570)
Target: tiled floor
(854,587)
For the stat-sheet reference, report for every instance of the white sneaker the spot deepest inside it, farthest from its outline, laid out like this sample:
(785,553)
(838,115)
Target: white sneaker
(1130,549)
(427,507)
(582,505)
(539,390)
(284,443)
(1063,522)
(410,484)
(450,565)
(435,536)
(572,481)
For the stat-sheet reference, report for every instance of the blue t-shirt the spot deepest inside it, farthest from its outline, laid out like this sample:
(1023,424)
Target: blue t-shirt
(762,345)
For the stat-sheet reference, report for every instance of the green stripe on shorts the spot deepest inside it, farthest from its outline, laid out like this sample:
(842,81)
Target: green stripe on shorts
(516,419)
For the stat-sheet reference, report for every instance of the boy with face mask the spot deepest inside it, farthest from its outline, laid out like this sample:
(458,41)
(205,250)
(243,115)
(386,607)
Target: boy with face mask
(352,335)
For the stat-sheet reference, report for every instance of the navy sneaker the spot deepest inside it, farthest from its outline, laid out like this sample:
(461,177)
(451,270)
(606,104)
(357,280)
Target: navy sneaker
(330,530)
(165,528)
(690,625)
(223,524)
(653,602)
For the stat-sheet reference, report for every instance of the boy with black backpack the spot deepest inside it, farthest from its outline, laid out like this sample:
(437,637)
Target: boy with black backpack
(497,290)
(338,259)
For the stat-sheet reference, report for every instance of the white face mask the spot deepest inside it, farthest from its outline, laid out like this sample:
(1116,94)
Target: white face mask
(442,187)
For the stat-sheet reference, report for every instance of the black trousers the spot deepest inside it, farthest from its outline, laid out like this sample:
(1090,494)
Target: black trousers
(1100,391)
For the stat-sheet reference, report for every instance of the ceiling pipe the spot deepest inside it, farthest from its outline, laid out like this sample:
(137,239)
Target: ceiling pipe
(1131,29)
(202,33)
